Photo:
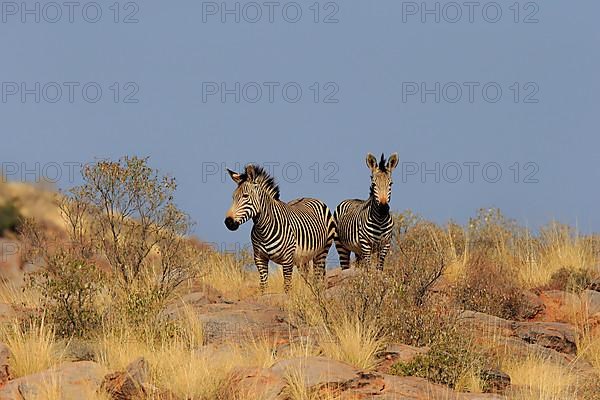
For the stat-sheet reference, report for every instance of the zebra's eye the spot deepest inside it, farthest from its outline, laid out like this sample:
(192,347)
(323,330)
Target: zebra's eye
(245,196)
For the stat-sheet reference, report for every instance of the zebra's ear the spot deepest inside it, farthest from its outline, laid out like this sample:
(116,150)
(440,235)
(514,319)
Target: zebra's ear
(392,162)
(237,178)
(371,162)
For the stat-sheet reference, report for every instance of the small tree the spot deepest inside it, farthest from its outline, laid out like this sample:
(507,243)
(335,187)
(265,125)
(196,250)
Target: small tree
(135,222)
(122,217)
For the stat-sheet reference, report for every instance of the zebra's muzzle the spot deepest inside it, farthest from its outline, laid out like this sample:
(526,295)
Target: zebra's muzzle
(231,224)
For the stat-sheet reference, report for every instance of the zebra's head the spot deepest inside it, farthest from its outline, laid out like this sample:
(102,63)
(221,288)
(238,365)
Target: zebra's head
(253,184)
(381,177)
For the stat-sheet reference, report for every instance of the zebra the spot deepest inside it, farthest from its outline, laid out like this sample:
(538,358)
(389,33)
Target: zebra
(288,234)
(364,227)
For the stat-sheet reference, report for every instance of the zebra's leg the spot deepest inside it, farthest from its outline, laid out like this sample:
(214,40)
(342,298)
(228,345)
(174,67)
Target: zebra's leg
(288,269)
(319,265)
(262,265)
(365,257)
(344,254)
(359,259)
(382,253)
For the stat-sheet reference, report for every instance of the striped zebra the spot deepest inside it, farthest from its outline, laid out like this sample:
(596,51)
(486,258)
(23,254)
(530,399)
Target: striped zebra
(364,227)
(288,234)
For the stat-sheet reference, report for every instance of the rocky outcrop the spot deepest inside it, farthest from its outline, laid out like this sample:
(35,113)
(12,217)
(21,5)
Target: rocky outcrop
(322,376)
(242,320)
(67,381)
(397,352)
(128,384)
(4,367)
(553,335)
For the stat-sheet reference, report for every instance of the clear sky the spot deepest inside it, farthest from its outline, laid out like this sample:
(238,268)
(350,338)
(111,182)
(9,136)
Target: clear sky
(488,88)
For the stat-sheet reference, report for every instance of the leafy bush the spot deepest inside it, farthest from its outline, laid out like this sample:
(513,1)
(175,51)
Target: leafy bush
(449,358)
(571,280)
(417,259)
(490,287)
(9,217)
(124,217)
(70,288)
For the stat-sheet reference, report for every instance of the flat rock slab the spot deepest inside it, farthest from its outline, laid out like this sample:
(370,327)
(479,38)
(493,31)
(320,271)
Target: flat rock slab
(397,352)
(242,321)
(73,380)
(323,376)
(413,388)
(316,371)
(553,335)
(591,299)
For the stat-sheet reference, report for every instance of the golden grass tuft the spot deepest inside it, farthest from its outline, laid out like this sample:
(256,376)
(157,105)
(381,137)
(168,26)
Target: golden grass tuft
(352,341)
(228,274)
(19,296)
(34,347)
(558,246)
(541,379)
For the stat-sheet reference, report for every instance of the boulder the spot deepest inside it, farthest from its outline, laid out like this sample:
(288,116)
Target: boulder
(254,383)
(11,262)
(487,323)
(7,313)
(336,276)
(532,305)
(397,352)
(67,381)
(4,360)
(325,378)
(128,384)
(225,322)
(591,299)
(316,371)
(553,335)
(495,381)
(413,388)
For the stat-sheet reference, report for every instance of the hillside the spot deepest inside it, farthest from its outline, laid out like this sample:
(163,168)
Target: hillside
(484,311)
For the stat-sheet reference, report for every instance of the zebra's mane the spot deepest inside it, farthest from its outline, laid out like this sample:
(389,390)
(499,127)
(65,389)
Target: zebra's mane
(264,180)
(382,167)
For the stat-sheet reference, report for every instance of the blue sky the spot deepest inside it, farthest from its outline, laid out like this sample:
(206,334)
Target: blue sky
(473,93)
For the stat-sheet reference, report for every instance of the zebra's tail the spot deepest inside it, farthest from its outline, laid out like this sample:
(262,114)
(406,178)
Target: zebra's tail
(331,229)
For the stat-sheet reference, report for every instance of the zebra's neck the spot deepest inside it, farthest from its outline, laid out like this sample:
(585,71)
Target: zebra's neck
(267,213)
(377,212)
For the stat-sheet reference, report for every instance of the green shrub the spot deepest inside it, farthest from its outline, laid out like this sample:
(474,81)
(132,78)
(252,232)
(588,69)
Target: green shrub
(10,217)
(70,288)
(571,280)
(490,287)
(450,357)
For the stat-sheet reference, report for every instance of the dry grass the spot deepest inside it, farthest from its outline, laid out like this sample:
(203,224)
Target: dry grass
(541,379)
(352,341)
(228,274)
(174,366)
(19,296)
(559,247)
(296,387)
(34,347)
